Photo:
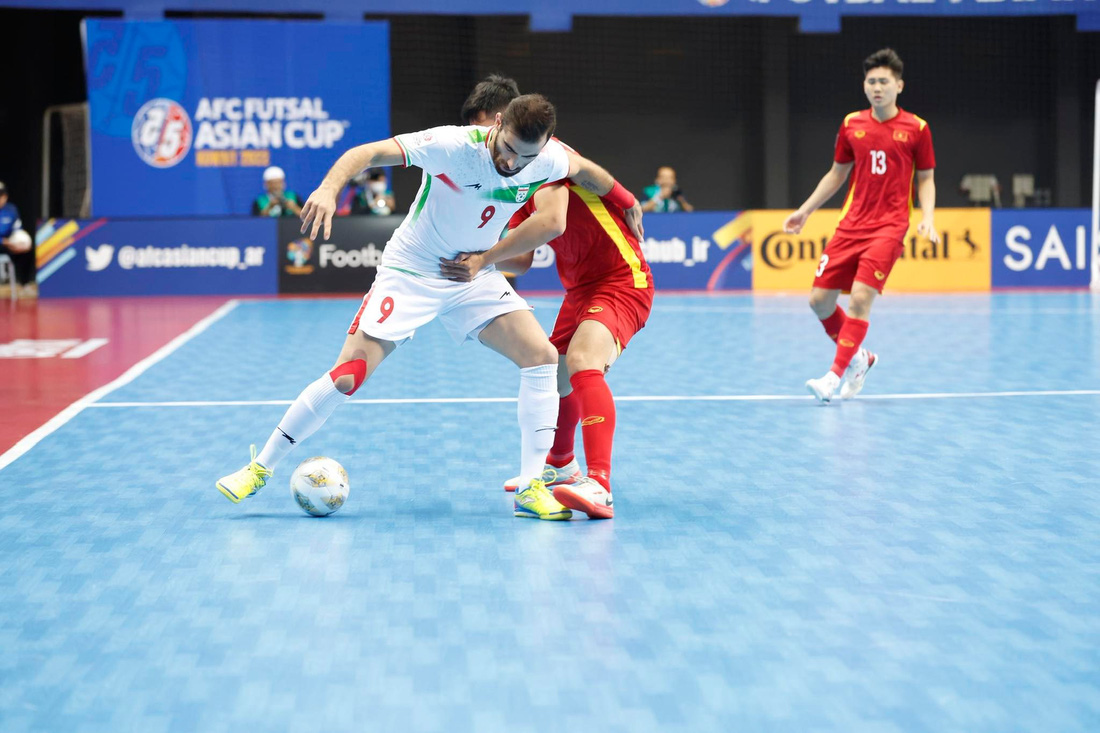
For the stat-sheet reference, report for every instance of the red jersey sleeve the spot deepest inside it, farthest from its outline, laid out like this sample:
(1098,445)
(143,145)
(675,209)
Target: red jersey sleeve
(843,152)
(925,157)
(522,215)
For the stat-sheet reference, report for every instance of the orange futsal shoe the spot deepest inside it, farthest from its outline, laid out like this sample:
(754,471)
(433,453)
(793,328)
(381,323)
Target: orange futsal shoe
(586,495)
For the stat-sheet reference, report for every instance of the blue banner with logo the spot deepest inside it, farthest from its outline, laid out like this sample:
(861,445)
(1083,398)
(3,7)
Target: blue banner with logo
(83,257)
(698,251)
(186,115)
(1041,248)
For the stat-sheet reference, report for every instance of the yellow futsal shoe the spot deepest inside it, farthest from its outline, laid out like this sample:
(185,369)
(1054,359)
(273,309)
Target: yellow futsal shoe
(537,502)
(245,482)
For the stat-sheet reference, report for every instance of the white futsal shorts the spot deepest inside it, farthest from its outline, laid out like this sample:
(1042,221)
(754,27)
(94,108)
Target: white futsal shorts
(399,303)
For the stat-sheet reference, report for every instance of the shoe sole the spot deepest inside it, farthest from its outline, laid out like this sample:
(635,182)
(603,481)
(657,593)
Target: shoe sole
(871,366)
(228,494)
(569,498)
(555,517)
(511,488)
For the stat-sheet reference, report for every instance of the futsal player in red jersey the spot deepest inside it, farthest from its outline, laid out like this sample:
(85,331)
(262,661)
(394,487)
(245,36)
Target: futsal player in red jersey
(880,147)
(608,297)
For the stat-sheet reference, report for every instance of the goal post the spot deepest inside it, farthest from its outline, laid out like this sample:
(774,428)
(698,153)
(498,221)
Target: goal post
(1094,239)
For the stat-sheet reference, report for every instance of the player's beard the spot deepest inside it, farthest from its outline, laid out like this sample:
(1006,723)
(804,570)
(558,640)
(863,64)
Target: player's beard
(494,152)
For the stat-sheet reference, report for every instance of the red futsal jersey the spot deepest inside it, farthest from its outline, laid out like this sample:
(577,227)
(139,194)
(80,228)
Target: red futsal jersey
(597,246)
(881,189)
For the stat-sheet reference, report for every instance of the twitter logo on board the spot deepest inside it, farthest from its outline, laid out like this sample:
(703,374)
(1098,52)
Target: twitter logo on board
(100,257)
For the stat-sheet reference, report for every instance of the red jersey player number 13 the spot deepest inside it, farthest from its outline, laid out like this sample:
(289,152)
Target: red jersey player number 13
(881,148)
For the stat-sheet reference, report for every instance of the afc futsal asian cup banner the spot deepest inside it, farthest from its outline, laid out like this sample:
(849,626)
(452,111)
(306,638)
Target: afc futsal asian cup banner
(186,115)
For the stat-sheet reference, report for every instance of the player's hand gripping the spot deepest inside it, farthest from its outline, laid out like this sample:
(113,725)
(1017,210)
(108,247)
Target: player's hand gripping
(633,217)
(927,228)
(793,224)
(319,209)
(463,268)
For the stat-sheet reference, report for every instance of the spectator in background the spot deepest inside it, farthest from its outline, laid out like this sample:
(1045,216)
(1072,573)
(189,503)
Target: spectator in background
(490,95)
(277,200)
(665,193)
(18,244)
(368,193)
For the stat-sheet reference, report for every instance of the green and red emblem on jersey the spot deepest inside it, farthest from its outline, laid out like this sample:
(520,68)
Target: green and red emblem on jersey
(515,194)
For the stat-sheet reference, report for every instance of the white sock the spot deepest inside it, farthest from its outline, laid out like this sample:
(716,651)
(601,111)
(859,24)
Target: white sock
(302,419)
(538,418)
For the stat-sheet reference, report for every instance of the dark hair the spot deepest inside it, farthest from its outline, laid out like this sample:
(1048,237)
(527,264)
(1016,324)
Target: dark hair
(885,58)
(373,174)
(531,117)
(491,95)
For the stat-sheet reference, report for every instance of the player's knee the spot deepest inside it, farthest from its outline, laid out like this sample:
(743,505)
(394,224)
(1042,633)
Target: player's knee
(579,360)
(859,305)
(546,354)
(539,354)
(819,302)
(349,376)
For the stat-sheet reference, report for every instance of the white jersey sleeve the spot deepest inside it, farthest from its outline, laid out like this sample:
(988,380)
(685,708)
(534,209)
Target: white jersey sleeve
(432,150)
(559,159)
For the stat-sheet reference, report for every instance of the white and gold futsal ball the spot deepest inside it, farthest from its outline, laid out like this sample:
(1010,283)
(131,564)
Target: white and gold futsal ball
(320,486)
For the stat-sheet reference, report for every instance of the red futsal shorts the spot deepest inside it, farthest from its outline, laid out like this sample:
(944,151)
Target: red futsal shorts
(623,309)
(866,260)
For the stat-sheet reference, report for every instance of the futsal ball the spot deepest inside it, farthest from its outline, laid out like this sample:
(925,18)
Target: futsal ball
(20,241)
(320,486)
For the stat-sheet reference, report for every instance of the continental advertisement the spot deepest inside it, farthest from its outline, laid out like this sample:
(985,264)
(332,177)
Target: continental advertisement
(960,262)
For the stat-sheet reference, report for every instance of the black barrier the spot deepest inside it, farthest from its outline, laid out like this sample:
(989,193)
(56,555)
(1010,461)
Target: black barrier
(344,263)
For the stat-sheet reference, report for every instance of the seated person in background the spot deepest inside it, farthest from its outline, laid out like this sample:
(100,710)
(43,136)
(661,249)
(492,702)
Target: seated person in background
(369,193)
(277,201)
(18,244)
(665,193)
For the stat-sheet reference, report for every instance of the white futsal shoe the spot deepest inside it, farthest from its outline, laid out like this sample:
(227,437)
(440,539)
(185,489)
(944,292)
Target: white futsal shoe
(825,387)
(856,373)
(552,476)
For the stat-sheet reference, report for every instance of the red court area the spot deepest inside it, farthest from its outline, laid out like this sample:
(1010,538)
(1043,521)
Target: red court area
(53,352)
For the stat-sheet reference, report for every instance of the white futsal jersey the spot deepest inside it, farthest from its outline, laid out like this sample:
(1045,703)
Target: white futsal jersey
(463,204)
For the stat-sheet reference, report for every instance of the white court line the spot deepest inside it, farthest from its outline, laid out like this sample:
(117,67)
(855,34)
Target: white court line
(58,420)
(880,310)
(628,398)
(84,349)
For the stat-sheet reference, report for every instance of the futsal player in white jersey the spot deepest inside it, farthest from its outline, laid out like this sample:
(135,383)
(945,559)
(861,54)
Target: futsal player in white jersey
(474,179)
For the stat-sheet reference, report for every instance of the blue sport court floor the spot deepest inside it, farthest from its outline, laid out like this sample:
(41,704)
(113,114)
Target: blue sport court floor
(924,558)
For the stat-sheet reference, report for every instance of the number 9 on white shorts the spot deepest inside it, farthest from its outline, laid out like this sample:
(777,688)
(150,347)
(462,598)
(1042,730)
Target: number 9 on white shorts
(399,303)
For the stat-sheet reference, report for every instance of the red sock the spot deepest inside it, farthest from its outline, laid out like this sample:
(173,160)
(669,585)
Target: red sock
(569,414)
(597,408)
(834,323)
(848,343)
